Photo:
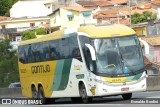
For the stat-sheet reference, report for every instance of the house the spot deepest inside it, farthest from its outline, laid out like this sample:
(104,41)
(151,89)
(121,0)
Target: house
(140,29)
(1,35)
(121,14)
(155,4)
(140,8)
(71,16)
(151,54)
(3,17)
(96,5)
(12,28)
(102,4)
(28,8)
(152,48)
(112,16)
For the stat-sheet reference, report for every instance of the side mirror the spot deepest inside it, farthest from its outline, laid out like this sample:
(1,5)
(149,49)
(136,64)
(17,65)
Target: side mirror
(92,51)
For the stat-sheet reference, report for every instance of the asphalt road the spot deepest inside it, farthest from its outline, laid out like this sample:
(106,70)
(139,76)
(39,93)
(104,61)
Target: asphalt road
(139,99)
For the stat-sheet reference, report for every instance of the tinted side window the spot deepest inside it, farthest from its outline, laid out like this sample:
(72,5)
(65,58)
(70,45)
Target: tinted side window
(30,56)
(36,52)
(26,53)
(54,49)
(86,52)
(46,51)
(74,48)
(64,48)
(83,40)
(21,54)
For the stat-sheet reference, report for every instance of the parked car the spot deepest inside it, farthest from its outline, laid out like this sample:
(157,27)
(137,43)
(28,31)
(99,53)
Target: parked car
(15,85)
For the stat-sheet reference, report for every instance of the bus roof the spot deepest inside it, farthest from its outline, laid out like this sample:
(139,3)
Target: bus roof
(93,31)
(107,31)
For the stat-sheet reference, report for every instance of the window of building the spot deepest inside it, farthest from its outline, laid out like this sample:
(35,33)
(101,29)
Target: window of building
(3,26)
(70,18)
(32,24)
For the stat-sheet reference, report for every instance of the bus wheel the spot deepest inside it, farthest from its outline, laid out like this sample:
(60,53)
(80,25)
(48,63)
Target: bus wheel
(76,99)
(127,96)
(41,95)
(83,94)
(34,92)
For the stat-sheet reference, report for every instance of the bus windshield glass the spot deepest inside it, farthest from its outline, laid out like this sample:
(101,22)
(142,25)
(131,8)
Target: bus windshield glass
(118,56)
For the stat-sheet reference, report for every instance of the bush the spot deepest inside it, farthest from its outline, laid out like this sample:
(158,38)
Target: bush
(28,34)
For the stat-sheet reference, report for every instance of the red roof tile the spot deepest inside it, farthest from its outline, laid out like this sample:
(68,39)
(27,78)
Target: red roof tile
(87,3)
(76,8)
(103,3)
(112,13)
(156,3)
(141,11)
(154,41)
(95,3)
(122,21)
(118,1)
(144,6)
(3,17)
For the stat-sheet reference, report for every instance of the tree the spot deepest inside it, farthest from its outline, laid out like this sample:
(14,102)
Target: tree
(28,34)
(139,18)
(8,64)
(135,18)
(5,6)
(40,31)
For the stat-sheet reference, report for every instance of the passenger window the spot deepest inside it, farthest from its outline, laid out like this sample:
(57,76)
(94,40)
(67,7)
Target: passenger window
(30,53)
(64,48)
(46,51)
(21,54)
(36,52)
(54,49)
(74,48)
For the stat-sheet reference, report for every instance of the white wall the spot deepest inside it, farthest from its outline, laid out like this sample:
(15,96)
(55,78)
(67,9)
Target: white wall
(23,24)
(29,8)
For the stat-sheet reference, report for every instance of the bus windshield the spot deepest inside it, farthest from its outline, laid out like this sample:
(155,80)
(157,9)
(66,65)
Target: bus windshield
(118,56)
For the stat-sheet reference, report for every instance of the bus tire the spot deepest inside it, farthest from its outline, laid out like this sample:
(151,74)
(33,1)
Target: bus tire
(50,100)
(83,94)
(127,96)
(76,99)
(34,92)
(41,95)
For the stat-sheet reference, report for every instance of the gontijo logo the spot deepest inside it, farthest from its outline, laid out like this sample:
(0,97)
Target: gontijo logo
(40,69)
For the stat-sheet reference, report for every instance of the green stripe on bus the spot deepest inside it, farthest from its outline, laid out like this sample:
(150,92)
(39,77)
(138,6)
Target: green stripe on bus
(136,77)
(129,78)
(65,74)
(61,75)
(57,75)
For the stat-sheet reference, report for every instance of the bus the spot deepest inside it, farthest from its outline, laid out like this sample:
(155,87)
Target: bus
(82,63)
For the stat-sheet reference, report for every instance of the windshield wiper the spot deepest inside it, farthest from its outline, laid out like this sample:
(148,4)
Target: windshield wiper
(124,61)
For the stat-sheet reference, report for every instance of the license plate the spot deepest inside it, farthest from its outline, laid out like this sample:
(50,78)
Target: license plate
(125,89)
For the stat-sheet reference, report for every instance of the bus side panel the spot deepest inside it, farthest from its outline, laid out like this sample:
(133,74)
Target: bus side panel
(29,76)
(77,73)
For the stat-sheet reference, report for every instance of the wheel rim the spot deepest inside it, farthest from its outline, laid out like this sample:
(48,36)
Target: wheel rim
(41,96)
(83,93)
(34,93)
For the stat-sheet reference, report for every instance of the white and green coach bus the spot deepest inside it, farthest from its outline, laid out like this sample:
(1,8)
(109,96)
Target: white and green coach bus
(82,63)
